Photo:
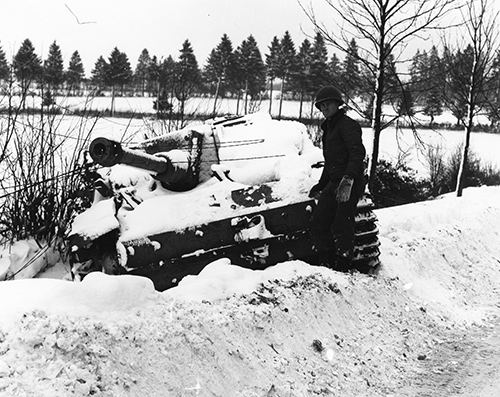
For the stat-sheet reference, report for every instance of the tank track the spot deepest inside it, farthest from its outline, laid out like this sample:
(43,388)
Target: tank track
(366,243)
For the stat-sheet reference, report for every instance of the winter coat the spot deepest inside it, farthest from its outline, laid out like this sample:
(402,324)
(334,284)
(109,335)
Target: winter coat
(343,148)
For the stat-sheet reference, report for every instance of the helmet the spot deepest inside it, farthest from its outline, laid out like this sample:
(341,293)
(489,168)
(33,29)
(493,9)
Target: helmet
(328,93)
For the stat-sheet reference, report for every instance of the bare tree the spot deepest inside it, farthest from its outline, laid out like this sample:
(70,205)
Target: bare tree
(382,28)
(481,36)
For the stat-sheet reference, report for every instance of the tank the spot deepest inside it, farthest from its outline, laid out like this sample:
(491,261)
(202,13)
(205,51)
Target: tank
(230,188)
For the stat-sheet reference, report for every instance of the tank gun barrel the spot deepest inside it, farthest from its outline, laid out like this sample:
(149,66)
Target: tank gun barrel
(178,177)
(107,153)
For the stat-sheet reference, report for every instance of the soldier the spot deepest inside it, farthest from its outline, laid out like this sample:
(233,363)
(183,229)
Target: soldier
(341,184)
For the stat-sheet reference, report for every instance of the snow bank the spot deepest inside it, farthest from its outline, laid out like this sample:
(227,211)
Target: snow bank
(98,296)
(221,280)
(446,252)
(14,259)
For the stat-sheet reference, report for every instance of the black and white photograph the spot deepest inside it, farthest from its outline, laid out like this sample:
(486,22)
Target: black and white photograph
(250,198)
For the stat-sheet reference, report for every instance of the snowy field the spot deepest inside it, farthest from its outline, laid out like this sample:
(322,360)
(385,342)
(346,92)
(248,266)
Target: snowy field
(402,143)
(236,332)
(201,105)
(393,142)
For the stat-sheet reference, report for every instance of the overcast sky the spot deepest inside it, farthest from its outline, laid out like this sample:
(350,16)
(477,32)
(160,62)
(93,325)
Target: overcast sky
(158,25)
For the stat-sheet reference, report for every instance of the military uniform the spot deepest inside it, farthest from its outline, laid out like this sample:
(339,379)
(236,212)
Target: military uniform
(332,225)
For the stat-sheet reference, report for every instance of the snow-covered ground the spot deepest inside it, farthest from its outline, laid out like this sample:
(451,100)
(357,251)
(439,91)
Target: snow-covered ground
(205,105)
(291,330)
(394,143)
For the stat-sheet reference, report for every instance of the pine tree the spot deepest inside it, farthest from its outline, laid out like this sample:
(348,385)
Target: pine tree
(27,66)
(415,76)
(219,66)
(166,73)
(405,104)
(250,75)
(458,69)
(419,75)
(118,73)
(350,74)
(188,75)
(392,87)
(367,90)
(287,64)
(334,70)
(141,70)
(53,68)
(319,66)
(493,108)
(272,67)
(75,72)
(303,78)
(414,68)
(433,100)
(4,66)
(334,73)
(154,74)
(99,73)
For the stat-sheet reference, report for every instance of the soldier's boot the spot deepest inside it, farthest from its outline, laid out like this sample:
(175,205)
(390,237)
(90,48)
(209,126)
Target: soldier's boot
(343,260)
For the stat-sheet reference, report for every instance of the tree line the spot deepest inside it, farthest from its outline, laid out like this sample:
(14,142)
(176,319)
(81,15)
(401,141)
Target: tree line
(441,81)
(436,81)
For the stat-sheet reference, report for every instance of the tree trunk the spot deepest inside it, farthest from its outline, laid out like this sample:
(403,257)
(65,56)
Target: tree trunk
(301,101)
(216,95)
(158,99)
(377,116)
(468,128)
(183,102)
(463,162)
(112,100)
(172,94)
(246,97)
(281,97)
(238,103)
(271,97)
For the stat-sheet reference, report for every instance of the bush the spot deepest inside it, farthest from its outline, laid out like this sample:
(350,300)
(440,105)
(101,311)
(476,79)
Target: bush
(397,184)
(44,181)
(444,171)
(162,103)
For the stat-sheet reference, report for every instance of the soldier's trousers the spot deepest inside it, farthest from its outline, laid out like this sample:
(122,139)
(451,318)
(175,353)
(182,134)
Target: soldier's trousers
(332,223)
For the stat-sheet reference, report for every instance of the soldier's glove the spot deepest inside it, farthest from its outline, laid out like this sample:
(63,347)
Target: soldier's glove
(315,191)
(344,189)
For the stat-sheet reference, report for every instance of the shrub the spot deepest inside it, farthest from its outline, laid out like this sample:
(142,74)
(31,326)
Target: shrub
(398,184)
(44,181)
(444,171)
